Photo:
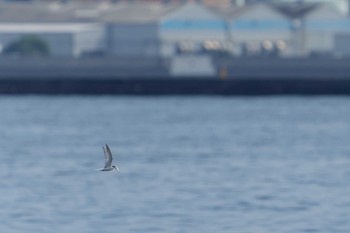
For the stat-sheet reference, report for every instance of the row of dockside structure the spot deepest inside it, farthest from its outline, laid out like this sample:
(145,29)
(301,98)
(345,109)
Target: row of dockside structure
(163,30)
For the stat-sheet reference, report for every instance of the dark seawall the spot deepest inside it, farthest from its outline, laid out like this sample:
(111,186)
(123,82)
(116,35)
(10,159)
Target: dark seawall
(185,86)
(98,76)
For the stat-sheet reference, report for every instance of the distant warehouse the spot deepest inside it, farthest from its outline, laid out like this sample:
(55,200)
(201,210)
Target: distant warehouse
(62,39)
(159,30)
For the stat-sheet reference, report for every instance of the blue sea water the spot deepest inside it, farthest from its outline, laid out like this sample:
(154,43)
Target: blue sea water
(188,164)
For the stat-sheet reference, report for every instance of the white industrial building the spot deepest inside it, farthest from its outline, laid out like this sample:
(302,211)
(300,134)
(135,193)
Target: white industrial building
(132,29)
(321,27)
(63,39)
(191,28)
(260,28)
(164,30)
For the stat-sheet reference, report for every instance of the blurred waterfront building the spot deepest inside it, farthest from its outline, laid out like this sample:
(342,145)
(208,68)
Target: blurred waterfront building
(132,30)
(62,39)
(192,28)
(322,25)
(260,29)
(153,30)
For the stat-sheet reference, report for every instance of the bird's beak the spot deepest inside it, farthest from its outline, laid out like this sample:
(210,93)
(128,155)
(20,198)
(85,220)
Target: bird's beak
(117,169)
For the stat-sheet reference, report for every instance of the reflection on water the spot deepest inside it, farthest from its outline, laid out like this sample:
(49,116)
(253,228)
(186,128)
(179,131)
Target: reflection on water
(199,164)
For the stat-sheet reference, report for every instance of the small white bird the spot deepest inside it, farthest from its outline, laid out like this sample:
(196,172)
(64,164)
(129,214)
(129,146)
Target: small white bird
(108,160)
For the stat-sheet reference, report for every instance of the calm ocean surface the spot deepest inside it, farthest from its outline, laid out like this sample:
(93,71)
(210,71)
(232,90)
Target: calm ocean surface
(188,164)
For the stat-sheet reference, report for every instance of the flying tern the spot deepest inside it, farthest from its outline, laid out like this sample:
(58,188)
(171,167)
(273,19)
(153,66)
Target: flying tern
(108,160)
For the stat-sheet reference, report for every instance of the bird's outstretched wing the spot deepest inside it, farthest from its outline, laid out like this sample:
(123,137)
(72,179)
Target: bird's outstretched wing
(108,156)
